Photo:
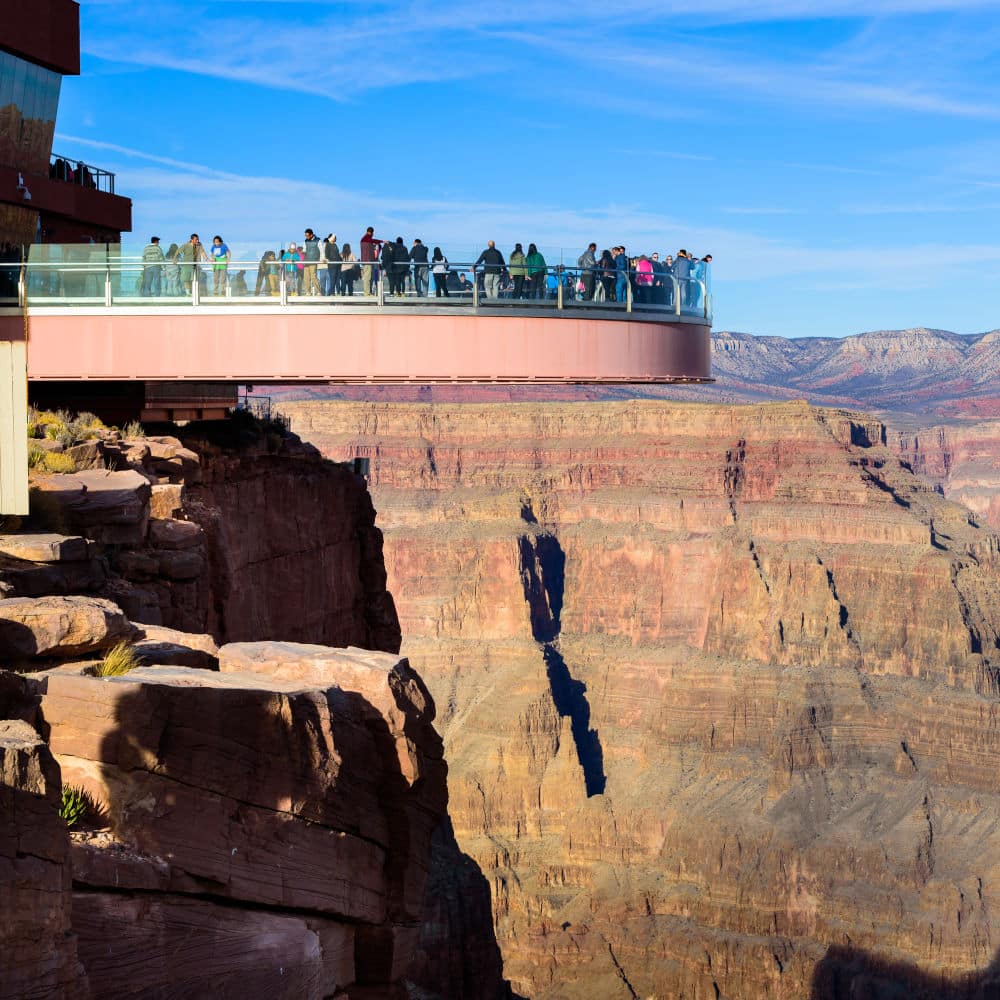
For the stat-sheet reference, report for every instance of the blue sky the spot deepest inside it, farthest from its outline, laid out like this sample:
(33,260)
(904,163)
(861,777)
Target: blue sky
(842,168)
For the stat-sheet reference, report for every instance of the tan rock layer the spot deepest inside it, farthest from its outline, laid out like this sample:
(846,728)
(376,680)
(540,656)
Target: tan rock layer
(770,646)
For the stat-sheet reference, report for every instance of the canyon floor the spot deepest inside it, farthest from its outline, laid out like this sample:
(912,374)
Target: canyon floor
(717,684)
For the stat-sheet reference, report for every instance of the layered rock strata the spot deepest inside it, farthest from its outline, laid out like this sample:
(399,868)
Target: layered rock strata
(718,688)
(961,460)
(38,949)
(263,830)
(214,535)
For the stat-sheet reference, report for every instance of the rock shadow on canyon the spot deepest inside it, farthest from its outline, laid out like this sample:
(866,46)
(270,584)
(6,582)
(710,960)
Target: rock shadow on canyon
(543,575)
(847,973)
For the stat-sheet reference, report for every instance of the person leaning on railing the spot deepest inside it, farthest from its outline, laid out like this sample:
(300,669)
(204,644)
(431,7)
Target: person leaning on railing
(190,255)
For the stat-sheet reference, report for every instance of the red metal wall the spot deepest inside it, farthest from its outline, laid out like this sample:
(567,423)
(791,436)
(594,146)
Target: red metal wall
(43,31)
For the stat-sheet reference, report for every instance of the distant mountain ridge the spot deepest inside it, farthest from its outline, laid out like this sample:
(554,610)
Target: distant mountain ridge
(935,375)
(920,371)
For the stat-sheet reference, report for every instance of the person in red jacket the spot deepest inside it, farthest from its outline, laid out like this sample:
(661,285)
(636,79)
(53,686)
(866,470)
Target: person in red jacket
(369,254)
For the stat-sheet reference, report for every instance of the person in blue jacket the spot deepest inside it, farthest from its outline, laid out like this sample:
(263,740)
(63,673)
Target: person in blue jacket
(621,274)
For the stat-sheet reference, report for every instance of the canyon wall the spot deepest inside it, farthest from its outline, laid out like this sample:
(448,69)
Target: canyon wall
(718,688)
(961,460)
(259,817)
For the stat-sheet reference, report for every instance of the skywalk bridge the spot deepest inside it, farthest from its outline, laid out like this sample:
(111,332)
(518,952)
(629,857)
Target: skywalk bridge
(81,322)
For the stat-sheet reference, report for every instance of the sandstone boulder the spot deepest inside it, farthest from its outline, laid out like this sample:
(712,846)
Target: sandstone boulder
(37,949)
(60,627)
(272,791)
(166,500)
(45,547)
(169,647)
(111,507)
(262,791)
(166,533)
(86,454)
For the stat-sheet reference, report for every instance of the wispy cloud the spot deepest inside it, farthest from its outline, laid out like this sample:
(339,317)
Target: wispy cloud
(339,51)
(180,196)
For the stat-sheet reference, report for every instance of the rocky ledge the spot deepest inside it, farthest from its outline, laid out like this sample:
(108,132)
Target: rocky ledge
(260,830)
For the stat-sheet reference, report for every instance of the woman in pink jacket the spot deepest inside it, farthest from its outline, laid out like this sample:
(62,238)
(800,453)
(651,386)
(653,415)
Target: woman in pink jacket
(644,279)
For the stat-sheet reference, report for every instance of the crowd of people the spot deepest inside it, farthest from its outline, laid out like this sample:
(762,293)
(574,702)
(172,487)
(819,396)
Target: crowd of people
(325,267)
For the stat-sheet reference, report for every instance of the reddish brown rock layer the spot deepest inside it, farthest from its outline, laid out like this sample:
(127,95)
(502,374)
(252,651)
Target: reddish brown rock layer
(292,548)
(38,951)
(718,688)
(962,460)
(267,834)
(248,536)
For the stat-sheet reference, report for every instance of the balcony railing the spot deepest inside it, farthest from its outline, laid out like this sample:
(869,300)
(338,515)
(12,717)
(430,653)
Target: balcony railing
(62,168)
(87,278)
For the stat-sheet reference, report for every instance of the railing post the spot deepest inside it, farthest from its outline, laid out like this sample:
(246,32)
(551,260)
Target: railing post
(283,289)
(559,292)
(475,289)
(196,286)
(107,286)
(381,287)
(628,292)
(22,286)
(677,295)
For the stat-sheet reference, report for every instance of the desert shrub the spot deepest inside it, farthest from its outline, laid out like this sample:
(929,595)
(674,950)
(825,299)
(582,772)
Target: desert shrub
(85,427)
(75,805)
(118,660)
(36,457)
(57,461)
(133,431)
(46,513)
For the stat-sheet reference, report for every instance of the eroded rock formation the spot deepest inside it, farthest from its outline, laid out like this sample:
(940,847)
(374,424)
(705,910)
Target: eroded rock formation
(249,536)
(718,688)
(292,807)
(261,813)
(961,460)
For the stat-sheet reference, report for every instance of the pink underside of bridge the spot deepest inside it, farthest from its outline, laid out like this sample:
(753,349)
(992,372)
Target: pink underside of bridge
(375,347)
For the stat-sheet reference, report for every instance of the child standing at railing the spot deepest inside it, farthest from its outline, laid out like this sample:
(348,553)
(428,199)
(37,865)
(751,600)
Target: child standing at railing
(220,264)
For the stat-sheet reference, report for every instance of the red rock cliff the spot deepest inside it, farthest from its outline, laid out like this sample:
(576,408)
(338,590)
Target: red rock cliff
(718,688)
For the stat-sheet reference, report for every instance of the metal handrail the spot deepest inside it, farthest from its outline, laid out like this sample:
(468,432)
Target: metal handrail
(117,282)
(84,174)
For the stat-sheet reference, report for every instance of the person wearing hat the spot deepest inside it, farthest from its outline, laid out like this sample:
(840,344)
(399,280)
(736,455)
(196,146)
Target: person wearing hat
(310,254)
(152,267)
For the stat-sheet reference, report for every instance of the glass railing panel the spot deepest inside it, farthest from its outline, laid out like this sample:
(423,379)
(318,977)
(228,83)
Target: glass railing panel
(95,275)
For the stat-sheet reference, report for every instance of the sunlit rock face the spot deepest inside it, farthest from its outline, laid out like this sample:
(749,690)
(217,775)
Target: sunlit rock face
(962,460)
(718,689)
